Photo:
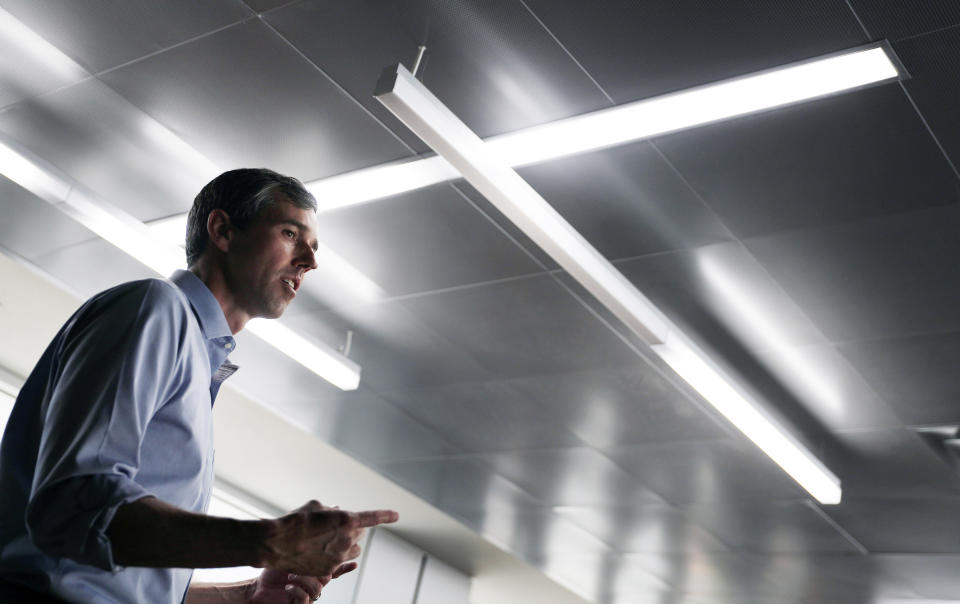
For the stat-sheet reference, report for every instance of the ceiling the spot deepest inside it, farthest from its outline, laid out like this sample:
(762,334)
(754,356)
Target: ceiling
(811,248)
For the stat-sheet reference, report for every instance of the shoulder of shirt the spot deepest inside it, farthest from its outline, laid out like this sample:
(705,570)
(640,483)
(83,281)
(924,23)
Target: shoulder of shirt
(157,293)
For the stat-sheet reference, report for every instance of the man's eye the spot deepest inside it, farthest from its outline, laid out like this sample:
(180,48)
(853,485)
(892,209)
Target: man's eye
(289,233)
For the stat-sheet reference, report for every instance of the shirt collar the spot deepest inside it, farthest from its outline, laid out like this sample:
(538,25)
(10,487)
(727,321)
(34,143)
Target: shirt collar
(205,305)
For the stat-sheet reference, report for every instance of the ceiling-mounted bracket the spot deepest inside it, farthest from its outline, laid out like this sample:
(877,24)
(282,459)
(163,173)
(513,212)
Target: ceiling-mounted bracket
(419,65)
(345,349)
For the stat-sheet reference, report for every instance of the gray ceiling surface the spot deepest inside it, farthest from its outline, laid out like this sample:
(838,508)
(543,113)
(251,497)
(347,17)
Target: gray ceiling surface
(812,249)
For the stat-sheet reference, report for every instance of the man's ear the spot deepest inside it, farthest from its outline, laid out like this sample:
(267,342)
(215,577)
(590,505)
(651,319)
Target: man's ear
(220,230)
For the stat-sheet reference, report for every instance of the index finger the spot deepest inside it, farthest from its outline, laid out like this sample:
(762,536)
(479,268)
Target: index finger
(375,517)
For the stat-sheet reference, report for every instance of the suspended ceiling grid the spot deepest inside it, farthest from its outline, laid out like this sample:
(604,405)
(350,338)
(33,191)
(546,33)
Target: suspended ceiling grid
(812,248)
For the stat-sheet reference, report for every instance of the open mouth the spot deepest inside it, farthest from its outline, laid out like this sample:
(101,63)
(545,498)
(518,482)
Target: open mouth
(291,284)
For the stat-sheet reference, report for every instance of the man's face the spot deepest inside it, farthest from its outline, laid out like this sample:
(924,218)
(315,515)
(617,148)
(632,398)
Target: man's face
(267,261)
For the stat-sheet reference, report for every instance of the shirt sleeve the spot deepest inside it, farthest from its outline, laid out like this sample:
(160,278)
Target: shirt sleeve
(118,360)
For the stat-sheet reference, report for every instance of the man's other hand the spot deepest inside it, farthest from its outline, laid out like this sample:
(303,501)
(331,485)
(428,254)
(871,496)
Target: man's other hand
(318,541)
(281,587)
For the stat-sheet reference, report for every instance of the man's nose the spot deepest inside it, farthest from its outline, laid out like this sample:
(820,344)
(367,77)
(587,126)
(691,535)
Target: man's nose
(307,259)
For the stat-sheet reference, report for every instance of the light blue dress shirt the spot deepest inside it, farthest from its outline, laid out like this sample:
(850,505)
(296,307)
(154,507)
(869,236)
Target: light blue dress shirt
(118,407)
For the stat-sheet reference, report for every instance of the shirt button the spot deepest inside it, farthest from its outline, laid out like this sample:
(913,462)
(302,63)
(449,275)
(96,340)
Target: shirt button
(228,345)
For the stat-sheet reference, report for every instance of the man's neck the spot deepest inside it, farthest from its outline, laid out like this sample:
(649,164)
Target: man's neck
(213,278)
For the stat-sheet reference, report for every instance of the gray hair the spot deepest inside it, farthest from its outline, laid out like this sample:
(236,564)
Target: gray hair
(242,194)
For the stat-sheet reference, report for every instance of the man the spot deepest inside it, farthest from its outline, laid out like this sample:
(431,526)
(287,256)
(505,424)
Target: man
(106,464)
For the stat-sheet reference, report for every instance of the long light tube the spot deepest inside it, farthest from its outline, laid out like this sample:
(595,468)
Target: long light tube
(136,239)
(726,99)
(481,166)
(697,368)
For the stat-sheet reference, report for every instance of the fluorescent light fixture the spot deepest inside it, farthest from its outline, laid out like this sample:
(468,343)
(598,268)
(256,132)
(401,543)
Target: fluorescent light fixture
(318,358)
(119,228)
(344,275)
(385,180)
(413,104)
(136,239)
(482,167)
(722,100)
(697,106)
(700,371)
(123,231)
(28,174)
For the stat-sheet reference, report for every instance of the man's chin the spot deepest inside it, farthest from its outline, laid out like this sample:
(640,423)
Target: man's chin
(274,312)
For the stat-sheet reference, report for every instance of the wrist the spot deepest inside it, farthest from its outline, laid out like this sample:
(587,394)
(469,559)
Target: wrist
(265,554)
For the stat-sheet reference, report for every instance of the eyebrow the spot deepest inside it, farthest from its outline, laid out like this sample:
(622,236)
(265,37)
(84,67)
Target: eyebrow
(315,245)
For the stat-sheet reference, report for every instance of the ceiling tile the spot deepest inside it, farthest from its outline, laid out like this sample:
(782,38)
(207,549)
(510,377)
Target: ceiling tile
(574,476)
(687,472)
(265,5)
(521,327)
(641,49)
(877,278)
(539,535)
(358,422)
(829,387)
(722,295)
(933,61)
(643,529)
(891,463)
(395,349)
(901,525)
(484,417)
(626,201)
(833,160)
(769,527)
(618,406)
(32,227)
(70,127)
(107,33)
(461,487)
(426,240)
(490,62)
(916,375)
(893,19)
(723,576)
(277,111)
(26,71)
(824,578)
(92,266)
(930,575)
(608,579)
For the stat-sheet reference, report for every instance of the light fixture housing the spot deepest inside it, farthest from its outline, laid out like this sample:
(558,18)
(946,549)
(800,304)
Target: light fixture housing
(483,167)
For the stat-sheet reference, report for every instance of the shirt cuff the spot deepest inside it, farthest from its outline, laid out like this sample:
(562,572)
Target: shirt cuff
(70,518)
